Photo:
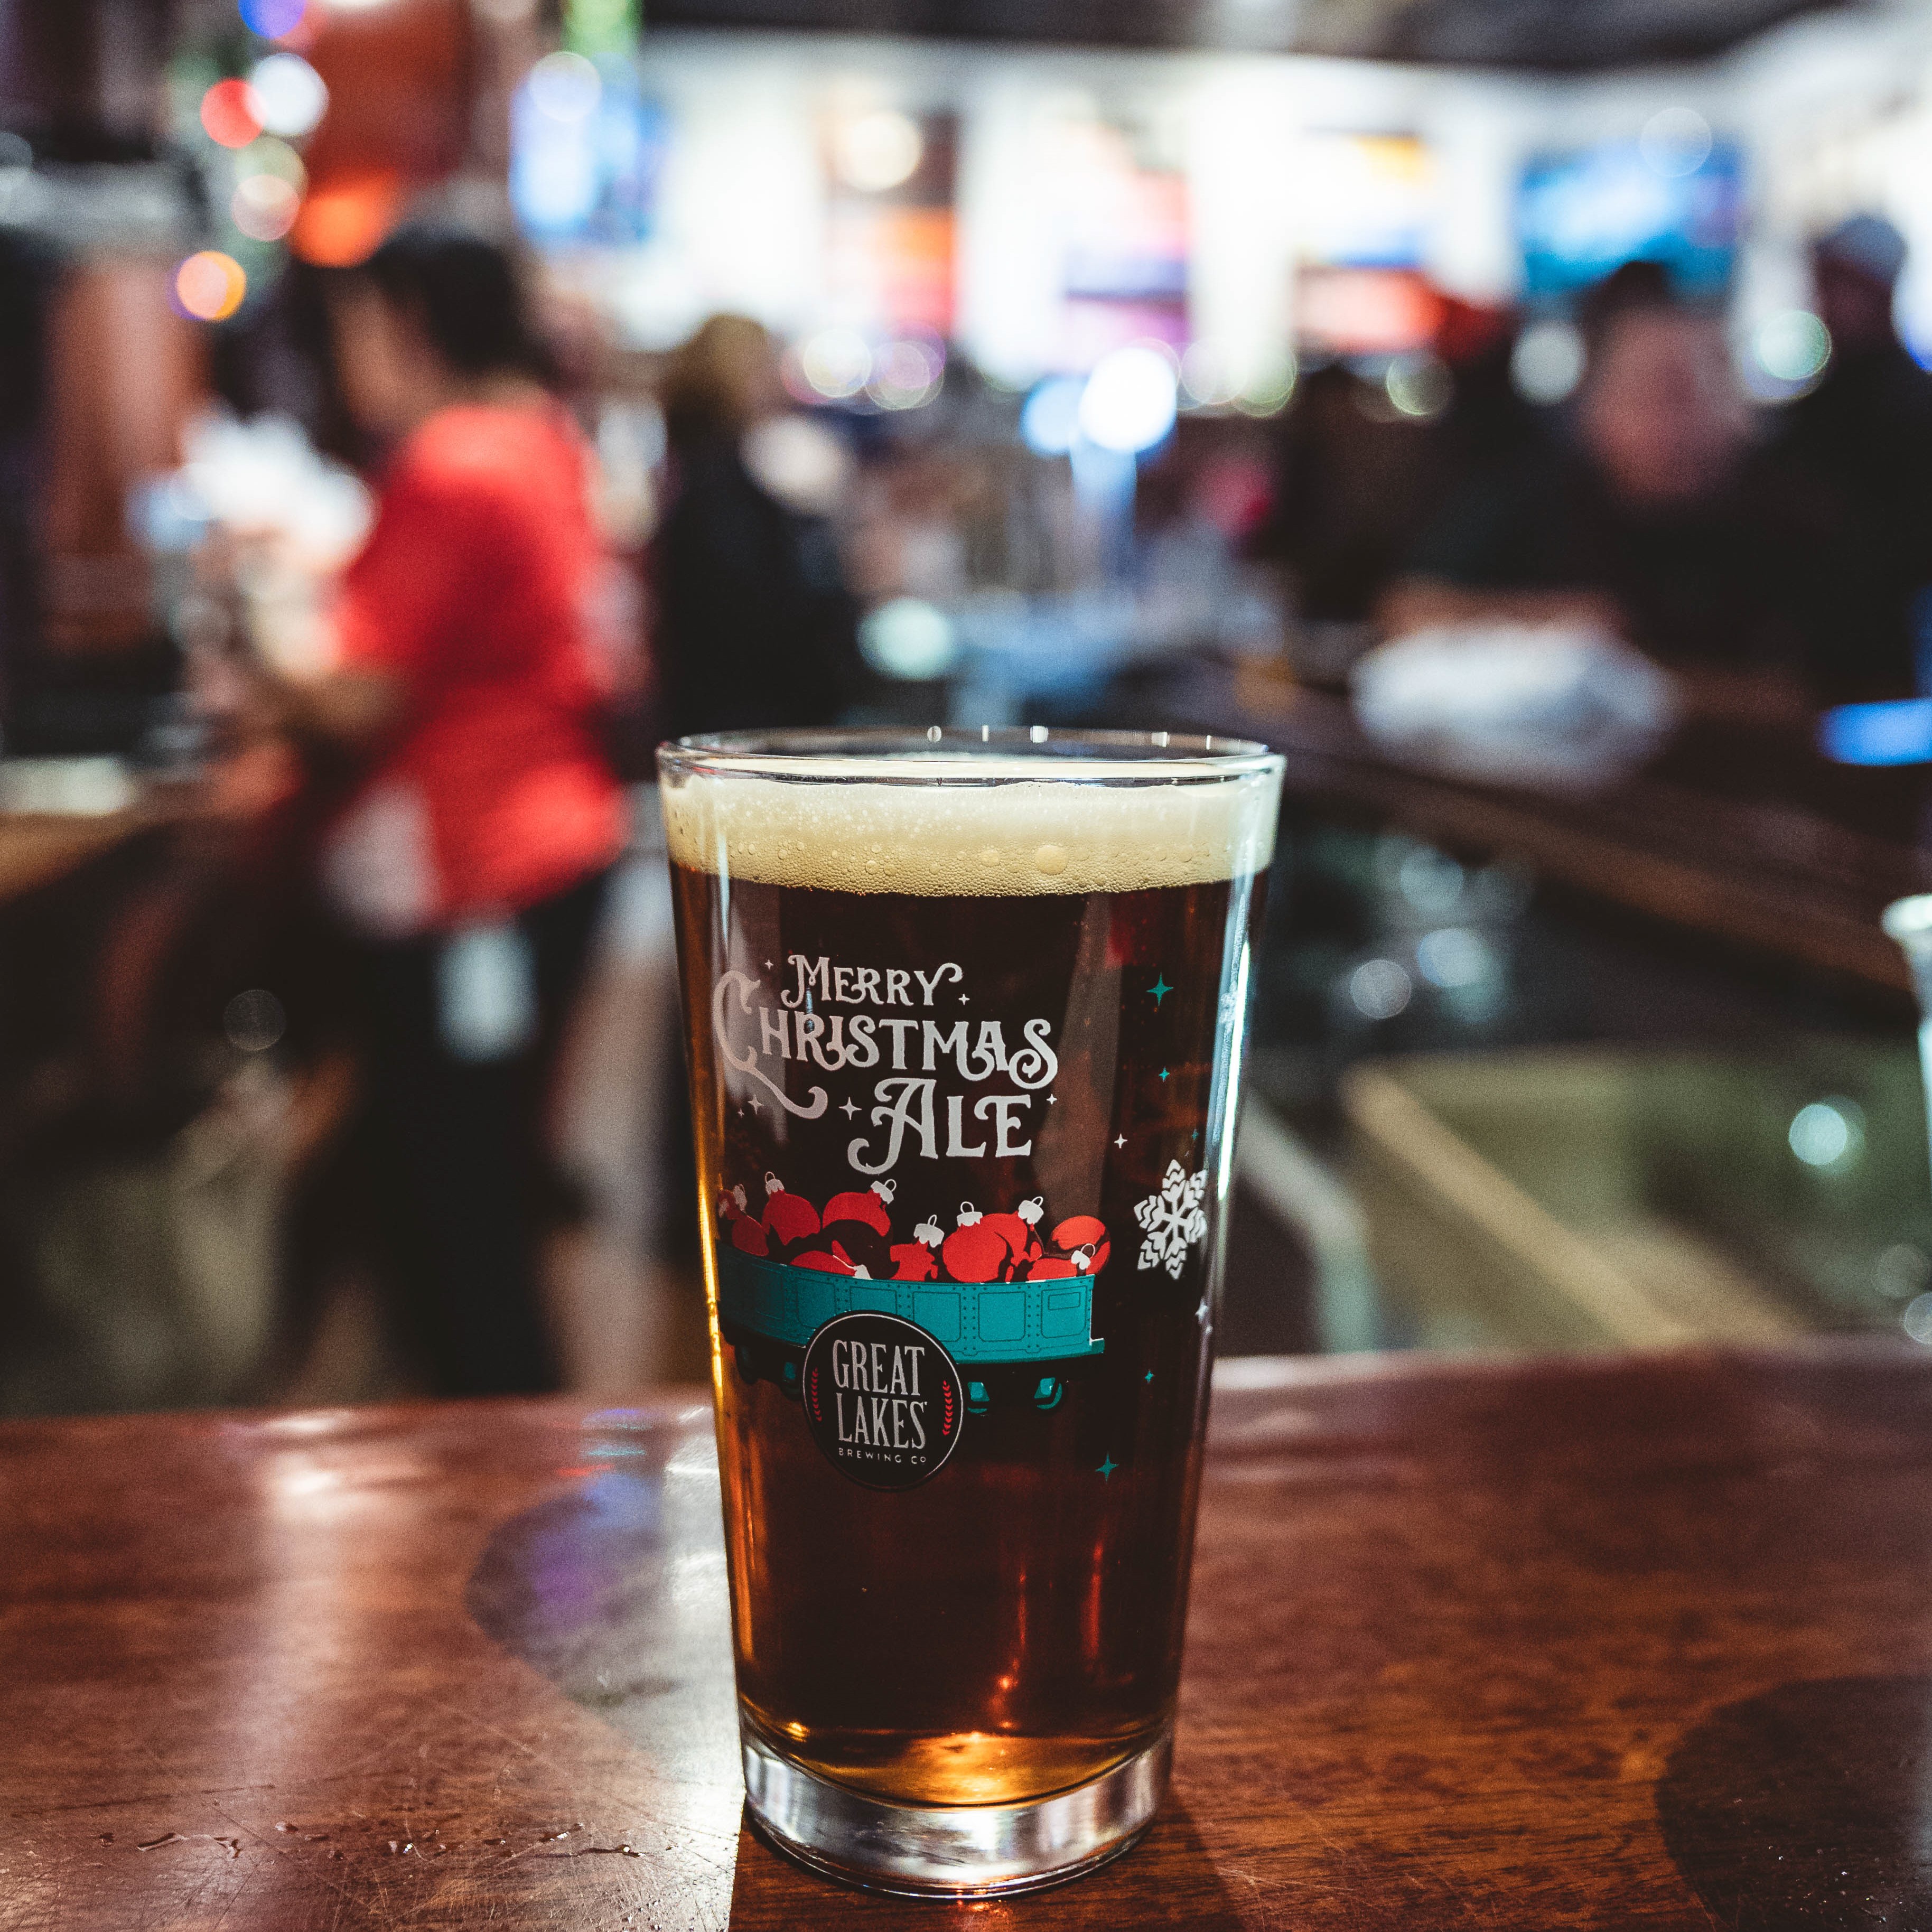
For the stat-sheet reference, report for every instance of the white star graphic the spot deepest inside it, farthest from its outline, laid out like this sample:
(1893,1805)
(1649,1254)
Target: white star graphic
(848,1110)
(1201,1313)
(757,1105)
(963,999)
(1053,1100)
(1119,1140)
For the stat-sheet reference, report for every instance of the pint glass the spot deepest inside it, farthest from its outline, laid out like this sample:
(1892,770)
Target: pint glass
(964,1012)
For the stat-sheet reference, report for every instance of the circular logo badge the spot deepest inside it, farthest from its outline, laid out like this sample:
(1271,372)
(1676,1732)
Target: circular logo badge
(882,1399)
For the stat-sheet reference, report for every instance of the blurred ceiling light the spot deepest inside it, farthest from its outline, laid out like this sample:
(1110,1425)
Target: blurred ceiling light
(228,114)
(1206,377)
(1676,141)
(878,150)
(264,207)
(1268,387)
(1419,386)
(1792,346)
(210,285)
(1050,420)
(835,363)
(273,19)
(288,95)
(906,374)
(909,638)
(565,86)
(1130,401)
(1547,361)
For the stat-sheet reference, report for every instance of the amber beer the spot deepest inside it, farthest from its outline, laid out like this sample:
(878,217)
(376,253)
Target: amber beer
(965,1031)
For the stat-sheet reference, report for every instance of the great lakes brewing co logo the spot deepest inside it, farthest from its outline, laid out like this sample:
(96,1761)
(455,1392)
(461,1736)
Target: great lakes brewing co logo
(884,1399)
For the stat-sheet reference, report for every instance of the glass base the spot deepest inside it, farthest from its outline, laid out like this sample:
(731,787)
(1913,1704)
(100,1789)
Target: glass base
(951,1850)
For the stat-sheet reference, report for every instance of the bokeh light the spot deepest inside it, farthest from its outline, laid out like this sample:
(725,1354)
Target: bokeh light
(836,362)
(1268,385)
(1379,989)
(1828,1133)
(288,95)
(1675,142)
(909,639)
(210,285)
(878,150)
(228,114)
(1050,422)
(565,86)
(1130,399)
(1547,362)
(264,207)
(1207,377)
(273,19)
(1419,386)
(906,374)
(1792,346)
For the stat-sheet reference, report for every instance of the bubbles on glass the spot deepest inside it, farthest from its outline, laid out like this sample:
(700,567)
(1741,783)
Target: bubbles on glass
(1547,362)
(254,1020)
(1828,1133)
(1675,142)
(1379,989)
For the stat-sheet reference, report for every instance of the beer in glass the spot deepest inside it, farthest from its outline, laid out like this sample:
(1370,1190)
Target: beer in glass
(964,1012)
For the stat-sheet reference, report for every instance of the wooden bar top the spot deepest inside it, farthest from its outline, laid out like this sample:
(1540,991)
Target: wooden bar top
(1644,1642)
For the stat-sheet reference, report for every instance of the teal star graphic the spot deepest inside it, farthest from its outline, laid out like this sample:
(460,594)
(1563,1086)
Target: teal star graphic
(1163,1073)
(1160,989)
(1148,1377)
(1104,1470)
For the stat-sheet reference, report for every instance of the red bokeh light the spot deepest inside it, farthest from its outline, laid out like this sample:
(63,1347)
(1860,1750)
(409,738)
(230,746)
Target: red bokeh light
(228,114)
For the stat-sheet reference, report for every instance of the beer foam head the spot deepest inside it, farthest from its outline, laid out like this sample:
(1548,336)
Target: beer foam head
(985,826)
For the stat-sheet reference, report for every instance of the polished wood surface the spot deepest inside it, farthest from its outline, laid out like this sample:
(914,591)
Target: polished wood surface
(1643,1642)
(1744,835)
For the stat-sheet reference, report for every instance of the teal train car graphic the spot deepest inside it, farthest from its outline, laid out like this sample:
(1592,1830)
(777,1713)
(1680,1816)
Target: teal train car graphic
(1001,1333)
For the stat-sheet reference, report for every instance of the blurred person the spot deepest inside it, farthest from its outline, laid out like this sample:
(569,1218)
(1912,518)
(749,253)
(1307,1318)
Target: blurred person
(754,625)
(1648,520)
(1356,480)
(481,817)
(1856,454)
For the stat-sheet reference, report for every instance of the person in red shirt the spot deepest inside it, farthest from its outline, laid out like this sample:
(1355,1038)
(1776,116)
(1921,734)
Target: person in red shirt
(470,855)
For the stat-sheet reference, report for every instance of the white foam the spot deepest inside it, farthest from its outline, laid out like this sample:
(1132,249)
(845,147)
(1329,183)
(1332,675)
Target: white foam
(999,840)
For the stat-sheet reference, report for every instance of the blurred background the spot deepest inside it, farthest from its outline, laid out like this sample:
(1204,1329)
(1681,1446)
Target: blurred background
(411,410)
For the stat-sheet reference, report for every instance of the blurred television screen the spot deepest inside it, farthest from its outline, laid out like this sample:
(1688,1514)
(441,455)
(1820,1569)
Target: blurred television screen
(1580,215)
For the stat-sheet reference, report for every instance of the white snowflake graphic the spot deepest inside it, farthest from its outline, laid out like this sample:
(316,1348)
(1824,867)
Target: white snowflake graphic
(1173,1219)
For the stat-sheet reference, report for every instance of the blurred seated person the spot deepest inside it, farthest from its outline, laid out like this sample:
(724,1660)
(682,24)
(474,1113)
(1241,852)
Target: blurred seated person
(468,858)
(1648,520)
(1856,455)
(1357,481)
(754,626)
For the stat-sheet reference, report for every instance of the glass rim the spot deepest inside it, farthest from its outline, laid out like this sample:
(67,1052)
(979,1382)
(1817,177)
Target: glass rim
(970,754)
